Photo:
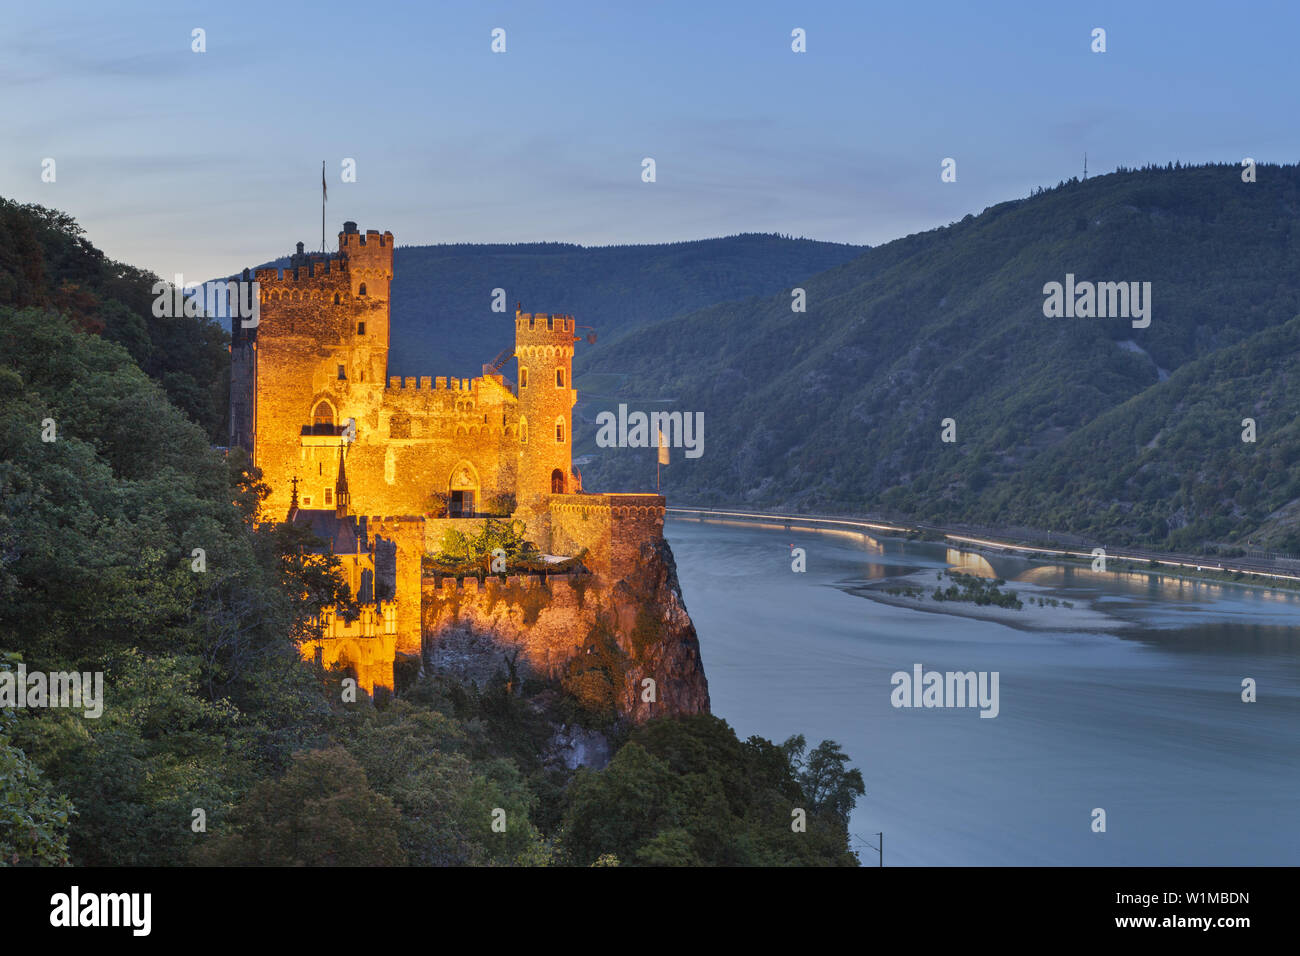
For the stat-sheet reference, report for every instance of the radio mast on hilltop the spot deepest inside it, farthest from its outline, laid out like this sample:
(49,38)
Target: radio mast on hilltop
(1085,166)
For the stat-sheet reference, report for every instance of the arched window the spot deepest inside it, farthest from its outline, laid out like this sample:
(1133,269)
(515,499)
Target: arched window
(559,431)
(336,298)
(523,431)
(322,418)
(557,482)
(361,328)
(559,378)
(362,290)
(523,377)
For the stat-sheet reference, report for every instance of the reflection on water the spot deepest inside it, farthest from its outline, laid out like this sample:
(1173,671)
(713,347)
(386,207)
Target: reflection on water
(1145,720)
(970,563)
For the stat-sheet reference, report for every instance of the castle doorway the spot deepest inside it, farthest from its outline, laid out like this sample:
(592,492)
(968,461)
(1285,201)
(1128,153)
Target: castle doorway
(557,482)
(462,491)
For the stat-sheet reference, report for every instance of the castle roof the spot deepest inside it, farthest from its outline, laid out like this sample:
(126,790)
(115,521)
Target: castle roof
(346,535)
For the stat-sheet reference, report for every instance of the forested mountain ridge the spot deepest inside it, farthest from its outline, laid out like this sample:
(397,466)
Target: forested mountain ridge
(841,408)
(442,295)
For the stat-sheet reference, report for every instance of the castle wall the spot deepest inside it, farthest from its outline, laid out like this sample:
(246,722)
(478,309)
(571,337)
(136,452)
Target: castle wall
(407,534)
(612,527)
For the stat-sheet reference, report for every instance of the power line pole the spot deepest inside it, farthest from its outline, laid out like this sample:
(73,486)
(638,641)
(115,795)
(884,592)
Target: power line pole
(880,849)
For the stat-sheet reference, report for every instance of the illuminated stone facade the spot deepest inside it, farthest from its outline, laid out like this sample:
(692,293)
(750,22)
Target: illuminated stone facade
(311,401)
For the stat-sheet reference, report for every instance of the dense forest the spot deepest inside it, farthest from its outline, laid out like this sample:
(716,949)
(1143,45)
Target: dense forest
(128,546)
(1084,425)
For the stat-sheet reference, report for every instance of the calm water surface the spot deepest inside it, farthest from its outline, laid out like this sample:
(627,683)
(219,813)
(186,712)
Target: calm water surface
(1145,720)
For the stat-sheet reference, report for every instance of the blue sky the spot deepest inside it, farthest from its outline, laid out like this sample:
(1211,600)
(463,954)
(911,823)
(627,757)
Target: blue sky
(204,163)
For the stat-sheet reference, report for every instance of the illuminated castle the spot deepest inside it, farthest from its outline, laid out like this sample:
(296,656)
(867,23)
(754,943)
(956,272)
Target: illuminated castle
(381,467)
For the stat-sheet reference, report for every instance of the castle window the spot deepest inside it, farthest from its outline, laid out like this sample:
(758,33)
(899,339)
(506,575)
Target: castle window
(361,328)
(329,496)
(342,373)
(559,378)
(322,419)
(557,482)
(559,431)
(336,298)
(523,377)
(523,431)
(362,290)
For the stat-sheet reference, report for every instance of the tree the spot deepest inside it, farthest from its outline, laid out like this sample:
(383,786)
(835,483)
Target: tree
(321,813)
(829,787)
(34,818)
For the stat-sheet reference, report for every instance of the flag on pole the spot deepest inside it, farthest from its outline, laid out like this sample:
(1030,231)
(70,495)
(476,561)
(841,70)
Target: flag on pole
(663,448)
(324,193)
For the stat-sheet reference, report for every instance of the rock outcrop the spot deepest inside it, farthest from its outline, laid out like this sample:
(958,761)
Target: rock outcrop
(627,642)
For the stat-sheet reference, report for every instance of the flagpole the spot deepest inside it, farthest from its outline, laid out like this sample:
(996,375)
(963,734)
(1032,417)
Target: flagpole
(323,194)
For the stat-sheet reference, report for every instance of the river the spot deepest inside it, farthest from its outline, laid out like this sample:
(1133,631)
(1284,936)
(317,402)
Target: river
(1143,719)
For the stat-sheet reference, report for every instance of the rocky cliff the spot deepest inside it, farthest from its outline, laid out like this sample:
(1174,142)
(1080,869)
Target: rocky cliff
(623,645)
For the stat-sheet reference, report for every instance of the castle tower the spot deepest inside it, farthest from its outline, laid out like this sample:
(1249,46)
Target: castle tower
(317,358)
(370,268)
(544,349)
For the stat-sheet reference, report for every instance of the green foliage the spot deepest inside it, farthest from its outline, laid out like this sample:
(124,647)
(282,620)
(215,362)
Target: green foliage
(976,590)
(420,759)
(688,792)
(459,553)
(321,813)
(831,786)
(596,675)
(46,262)
(34,819)
(137,772)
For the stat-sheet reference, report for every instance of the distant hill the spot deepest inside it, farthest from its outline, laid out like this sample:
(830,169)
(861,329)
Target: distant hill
(1080,424)
(443,323)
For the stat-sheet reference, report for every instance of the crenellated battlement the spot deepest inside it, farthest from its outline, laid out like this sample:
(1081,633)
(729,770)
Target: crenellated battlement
(554,584)
(354,240)
(632,506)
(335,269)
(427,383)
(541,324)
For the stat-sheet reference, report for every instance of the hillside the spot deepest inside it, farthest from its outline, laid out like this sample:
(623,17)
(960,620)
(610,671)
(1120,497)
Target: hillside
(443,323)
(840,408)
(46,261)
